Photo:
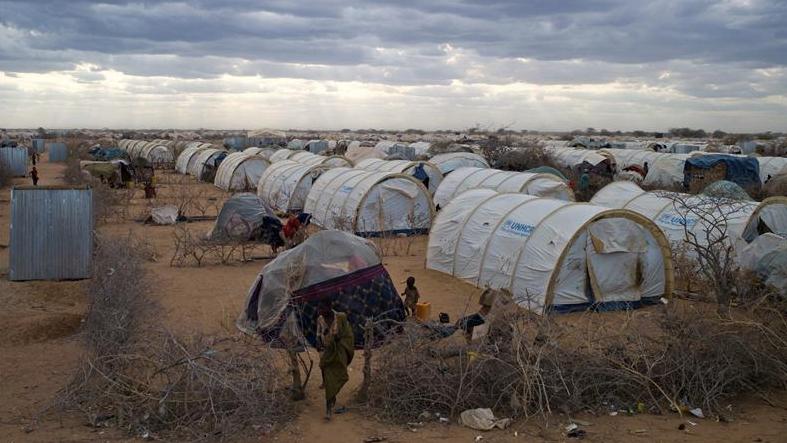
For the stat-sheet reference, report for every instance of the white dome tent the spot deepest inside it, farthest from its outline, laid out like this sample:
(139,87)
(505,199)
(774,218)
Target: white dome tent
(240,172)
(262,152)
(539,185)
(746,220)
(413,168)
(664,169)
(572,157)
(282,154)
(370,203)
(187,156)
(309,159)
(196,166)
(551,254)
(286,184)
(450,161)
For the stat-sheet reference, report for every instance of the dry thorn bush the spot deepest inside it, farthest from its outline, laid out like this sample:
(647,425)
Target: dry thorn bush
(195,250)
(143,379)
(530,365)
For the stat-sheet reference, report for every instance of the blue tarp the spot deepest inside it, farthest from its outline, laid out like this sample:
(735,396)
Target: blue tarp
(743,171)
(107,154)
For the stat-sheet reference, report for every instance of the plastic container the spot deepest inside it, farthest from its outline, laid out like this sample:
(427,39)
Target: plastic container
(423,311)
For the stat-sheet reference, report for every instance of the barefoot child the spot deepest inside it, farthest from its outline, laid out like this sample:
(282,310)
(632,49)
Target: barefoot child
(411,296)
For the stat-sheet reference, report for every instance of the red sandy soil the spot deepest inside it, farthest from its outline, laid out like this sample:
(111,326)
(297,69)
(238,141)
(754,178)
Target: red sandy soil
(40,350)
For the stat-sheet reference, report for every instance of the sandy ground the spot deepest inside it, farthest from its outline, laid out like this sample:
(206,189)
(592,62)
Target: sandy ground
(39,351)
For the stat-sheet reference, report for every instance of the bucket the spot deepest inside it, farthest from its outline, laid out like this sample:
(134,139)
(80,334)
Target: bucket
(423,311)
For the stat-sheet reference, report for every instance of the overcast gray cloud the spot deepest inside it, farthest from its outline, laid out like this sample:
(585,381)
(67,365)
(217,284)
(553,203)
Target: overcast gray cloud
(440,55)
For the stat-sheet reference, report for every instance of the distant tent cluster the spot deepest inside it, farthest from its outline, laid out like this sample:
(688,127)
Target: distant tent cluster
(157,153)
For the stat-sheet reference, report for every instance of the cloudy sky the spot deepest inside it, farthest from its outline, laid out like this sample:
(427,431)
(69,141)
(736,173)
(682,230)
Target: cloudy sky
(330,64)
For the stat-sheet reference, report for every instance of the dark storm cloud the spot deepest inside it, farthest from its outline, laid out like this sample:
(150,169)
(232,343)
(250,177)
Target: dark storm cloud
(408,41)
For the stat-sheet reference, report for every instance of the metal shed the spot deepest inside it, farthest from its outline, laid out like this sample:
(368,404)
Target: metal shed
(51,232)
(14,160)
(39,145)
(58,152)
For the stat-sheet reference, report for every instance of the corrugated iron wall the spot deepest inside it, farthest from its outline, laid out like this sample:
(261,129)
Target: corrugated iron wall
(58,152)
(39,144)
(51,233)
(14,160)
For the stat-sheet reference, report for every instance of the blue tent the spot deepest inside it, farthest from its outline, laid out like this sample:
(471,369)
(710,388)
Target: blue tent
(743,171)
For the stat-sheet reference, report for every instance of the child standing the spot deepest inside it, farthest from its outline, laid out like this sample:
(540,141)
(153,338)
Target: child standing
(411,296)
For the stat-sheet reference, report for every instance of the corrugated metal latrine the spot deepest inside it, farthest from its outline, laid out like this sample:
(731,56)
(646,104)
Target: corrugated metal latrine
(58,152)
(51,232)
(14,160)
(39,145)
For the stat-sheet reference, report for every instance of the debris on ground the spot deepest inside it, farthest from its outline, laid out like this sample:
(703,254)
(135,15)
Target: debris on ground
(697,412)
(482,419)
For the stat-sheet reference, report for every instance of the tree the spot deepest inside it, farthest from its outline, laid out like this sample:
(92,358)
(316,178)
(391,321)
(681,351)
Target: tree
(705,221)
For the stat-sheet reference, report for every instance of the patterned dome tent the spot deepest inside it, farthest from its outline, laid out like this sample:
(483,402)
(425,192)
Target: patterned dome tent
(370,203)
(240,172)
(450,161)
(551,254)
(425,172)
(346,271)
(286,184)
(539,185)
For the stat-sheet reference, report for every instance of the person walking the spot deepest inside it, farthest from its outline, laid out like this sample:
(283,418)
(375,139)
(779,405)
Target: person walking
(34,176)
(337,347)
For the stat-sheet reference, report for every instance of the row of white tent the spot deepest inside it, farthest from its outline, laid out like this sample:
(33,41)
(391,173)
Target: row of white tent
(158,153)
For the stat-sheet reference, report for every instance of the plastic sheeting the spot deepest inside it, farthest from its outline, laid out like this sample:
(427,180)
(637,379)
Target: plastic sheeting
(286,184)
(744,171)
(537,248)
(323,256)
(448,162)
(664,169)
(463,179)
(164,215)
(425,172)
(240,172)
(369,203)
(240,218)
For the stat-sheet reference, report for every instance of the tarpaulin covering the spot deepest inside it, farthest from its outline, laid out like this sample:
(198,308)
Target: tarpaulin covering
(744,171)
(240,218)
(329,265)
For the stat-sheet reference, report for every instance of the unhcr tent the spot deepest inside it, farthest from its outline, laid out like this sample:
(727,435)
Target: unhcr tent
(240,172)
(746,220)
(425,172)
(333,267)
(203,162)
(262,152)
(241,218)
(296,145)
(539,185)
(188,156)
(551,254)
(548,170)
(286,184)
(282,154)
(370,203)
(455,160)
(309,159)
